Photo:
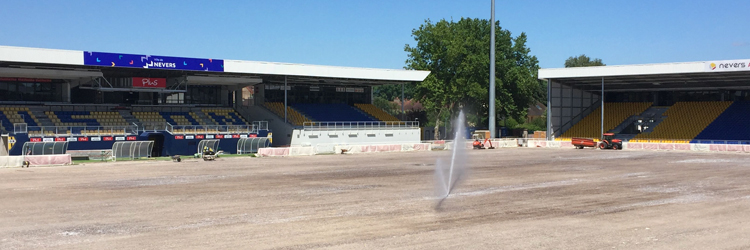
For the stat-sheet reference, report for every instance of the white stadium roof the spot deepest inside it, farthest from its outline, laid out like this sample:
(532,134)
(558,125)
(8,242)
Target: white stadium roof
(682,75)
(76,58)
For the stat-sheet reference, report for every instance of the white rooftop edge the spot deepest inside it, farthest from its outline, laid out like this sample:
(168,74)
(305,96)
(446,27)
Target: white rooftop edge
(646,69)
(75,57)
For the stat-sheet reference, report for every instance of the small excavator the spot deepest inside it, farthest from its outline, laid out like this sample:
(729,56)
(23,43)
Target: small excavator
(480,135)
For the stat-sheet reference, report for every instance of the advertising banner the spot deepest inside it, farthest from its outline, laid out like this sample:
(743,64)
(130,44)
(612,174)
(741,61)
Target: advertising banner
(149,82)
(92,58)
(729,65)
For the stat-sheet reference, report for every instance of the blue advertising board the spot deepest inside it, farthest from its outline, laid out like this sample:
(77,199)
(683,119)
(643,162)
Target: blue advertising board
(151,62)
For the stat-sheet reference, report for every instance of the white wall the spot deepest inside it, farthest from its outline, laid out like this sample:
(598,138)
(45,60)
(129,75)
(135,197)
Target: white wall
(301,137)
(282,131)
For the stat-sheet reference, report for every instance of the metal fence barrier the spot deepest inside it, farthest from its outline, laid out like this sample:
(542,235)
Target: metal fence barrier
(260,125)
(80,130)
(210,129)
(360,125)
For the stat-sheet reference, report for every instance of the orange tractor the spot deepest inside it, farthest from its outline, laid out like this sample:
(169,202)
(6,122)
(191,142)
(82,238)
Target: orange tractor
(608,142)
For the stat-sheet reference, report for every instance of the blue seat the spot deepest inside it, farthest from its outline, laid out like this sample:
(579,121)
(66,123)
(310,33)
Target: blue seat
(730,125)
(67,117)
(332,112)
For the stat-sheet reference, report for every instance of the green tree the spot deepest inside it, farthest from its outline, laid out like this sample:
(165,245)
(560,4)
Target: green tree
(393,91)
(583,61)
(388,106)
(457,54)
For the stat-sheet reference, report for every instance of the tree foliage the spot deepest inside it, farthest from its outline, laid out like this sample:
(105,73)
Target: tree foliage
(387,105)
(458,56)
(393,91)
(583,61)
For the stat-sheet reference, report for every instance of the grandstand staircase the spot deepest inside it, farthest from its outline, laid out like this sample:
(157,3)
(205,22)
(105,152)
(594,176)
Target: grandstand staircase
(650,118)
(657,118)
(202,117)
(129,118)
(41,117)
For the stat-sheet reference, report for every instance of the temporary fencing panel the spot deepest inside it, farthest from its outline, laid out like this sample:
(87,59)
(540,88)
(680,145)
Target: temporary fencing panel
(3,149)
(251,145)
(209,143)
(131,150)
(45,148)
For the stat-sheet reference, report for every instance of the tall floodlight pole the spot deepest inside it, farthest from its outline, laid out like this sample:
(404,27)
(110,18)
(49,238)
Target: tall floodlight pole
(602,134)
(285,102)
(492,71)
(403,115)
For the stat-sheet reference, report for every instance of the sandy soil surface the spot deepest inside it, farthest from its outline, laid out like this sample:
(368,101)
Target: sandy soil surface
(528,198)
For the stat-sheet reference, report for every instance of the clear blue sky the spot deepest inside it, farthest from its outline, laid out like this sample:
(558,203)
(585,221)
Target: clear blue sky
(362,33)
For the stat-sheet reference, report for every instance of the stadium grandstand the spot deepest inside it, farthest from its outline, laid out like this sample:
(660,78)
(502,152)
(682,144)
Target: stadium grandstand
(692,102)
(93,99)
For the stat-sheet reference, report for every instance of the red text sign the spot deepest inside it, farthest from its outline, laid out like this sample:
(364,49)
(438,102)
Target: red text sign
(149,82)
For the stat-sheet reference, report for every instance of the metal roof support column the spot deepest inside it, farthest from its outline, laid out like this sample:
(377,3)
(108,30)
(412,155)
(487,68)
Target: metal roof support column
(403,115)
(285,107)
(549,110)
(602,133)
(492,71)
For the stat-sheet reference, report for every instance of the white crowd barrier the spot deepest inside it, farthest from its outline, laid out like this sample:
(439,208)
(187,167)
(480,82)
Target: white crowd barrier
(266,152)
(301,151)
(346,149)
(35,160)
(656,146)
(11,161)
(501,143)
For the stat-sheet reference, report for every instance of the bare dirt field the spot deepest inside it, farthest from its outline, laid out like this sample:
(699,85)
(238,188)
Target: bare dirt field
(525,198)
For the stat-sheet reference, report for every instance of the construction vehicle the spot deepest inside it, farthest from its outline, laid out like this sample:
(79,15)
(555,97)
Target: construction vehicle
(208,154)
(581,143)
(480,135)
(608,142)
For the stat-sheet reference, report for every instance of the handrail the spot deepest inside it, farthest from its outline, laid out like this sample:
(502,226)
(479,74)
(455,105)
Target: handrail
(211,129)
(361,125)
(261,125)
(81,130)
(589,109)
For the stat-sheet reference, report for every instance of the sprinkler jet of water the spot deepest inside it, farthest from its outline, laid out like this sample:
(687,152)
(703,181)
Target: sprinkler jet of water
(456,162)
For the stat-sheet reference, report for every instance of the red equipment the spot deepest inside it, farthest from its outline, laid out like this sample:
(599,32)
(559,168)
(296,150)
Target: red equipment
(608,142)
(479,145)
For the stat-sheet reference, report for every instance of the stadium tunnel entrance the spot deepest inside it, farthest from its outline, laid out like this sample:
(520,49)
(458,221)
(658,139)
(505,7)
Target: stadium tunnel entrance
(158,140)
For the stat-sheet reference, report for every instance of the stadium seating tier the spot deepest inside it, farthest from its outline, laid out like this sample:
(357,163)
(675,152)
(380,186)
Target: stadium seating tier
(614,114)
